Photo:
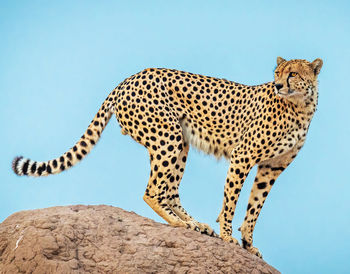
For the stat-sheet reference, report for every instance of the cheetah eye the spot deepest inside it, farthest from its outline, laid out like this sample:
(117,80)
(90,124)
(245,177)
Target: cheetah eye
(277,73)
(293,74)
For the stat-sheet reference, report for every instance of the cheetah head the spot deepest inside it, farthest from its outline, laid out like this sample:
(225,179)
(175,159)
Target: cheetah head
(296,80)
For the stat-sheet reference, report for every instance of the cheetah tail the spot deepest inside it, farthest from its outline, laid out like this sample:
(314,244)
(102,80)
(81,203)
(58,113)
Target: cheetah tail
(23,166)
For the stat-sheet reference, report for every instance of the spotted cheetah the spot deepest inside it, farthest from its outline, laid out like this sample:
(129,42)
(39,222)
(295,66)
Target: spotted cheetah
(166,110)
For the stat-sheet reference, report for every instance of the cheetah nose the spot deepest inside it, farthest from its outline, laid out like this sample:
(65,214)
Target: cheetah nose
(279,86)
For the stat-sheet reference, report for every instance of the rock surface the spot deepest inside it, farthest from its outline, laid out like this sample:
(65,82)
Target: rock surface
(106,239)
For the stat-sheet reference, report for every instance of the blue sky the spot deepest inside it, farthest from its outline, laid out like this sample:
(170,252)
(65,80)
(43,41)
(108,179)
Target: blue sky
(59,60)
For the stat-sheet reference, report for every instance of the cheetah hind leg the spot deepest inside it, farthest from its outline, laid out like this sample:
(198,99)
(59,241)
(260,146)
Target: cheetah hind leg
(174,192)
(157,194)
(165,149)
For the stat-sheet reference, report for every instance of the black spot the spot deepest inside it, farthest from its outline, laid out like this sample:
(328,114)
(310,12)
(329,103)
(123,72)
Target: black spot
(25,167)
(33,167)
(61,159)
(272,182)
(69,155)
(89,132)
(54,163)
(39,171)
(48,169)
(277,168)
(265,194)
(83,143)
(261,185)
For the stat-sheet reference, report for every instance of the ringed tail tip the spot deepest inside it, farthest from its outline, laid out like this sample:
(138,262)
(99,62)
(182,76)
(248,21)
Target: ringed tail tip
(15,162)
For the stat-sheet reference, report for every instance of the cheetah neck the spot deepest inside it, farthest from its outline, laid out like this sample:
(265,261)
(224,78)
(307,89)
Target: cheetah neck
(308,106)
(304,107)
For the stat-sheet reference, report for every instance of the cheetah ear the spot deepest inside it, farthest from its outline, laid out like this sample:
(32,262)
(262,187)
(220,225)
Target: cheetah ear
(280,60)
(317,65)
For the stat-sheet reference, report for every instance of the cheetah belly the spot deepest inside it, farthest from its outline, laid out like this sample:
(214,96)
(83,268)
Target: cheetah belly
(201,141)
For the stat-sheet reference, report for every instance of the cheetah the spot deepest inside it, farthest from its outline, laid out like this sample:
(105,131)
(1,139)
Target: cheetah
(167,110)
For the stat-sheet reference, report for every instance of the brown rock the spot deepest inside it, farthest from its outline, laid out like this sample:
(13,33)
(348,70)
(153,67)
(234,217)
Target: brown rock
(106,239)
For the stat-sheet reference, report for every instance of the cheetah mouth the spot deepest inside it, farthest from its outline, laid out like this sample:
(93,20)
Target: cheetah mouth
(288,93)
(292,94)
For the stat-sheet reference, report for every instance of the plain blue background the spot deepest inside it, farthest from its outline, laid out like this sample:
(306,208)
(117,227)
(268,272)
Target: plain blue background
(59,60)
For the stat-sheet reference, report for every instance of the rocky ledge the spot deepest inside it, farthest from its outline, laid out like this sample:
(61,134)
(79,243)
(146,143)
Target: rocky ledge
(106,239)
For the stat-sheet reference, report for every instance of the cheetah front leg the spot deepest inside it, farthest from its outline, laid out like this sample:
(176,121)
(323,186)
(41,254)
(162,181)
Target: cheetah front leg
(264,180)
(240,165)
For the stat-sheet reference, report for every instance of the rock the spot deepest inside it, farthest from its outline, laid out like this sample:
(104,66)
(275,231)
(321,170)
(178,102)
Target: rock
(106,239)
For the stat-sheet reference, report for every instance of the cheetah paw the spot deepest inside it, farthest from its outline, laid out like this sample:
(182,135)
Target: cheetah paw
(193,226)
(206,229)
(253,250)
